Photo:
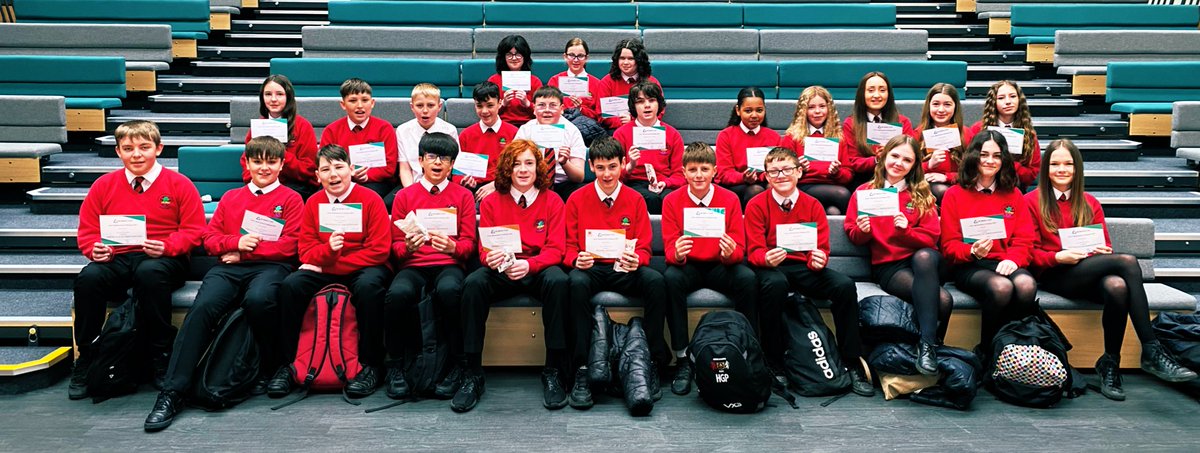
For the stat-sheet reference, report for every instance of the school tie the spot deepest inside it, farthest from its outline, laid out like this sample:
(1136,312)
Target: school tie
(336,201)
(357,128)
(986,191)
(258,193)
(608,202)
(1062,197)
(137,184)
(522,203)
(435,190)
(878,120)
(786,205)
(701,204)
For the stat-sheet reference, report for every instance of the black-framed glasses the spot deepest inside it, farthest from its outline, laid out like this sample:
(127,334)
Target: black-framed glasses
(785,171)
(438,158)
(576,57)
(513,56)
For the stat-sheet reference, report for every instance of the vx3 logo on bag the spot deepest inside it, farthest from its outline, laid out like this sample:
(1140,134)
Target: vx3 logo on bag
(732,405)
(819,351)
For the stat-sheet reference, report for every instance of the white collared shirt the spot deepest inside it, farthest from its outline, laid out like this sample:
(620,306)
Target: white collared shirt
(900,186)
(600,193)
(531,195)
(629,80)
(494,128)
(748,130)
(1058,194)
(429,185)
(582,73)
(572,139)
(813,130)
(149,177)
(408,139)
(706,200)
(795,196)
(992,187)
(265,190)
(333,199)
(872,118)
(351,123)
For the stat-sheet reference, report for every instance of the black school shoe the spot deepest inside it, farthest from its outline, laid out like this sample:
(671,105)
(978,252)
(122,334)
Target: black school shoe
(927,359)
(280,384)
(396,386)
(364,384)
(1158,361)
(166,407)
(468,393)
(449,386)
(1110,378)
(581,392)
(554,397)
(860,385)
(656,392)
(78,388)
(682,384)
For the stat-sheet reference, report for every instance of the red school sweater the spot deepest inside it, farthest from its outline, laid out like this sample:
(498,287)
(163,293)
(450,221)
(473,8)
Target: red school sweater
(959,203)
(543,235)
(415,197)
(619,87)
(1026,172)
(763,214)
(300,160)
(512,111)
(359,250)
(585,211)
(818,172)
(475,140)
(703,249)
(731,152)
(377,130)
(171,205)
(888,243)
(589,107)
(1049,243)
(668,163)
(224,230)
(853,158)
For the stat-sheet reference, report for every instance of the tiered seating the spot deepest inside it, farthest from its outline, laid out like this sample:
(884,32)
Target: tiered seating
(1034,25)
(1083,54)
(1185,130)
(997,12)
(321,77)
(188,18)
(909,79)
(221,13)
(91,85)
(146,48)
(1145,90)
(31,128)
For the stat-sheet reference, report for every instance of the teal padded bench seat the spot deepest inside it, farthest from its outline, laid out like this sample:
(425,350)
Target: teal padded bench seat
(910,79)
(568,14)
(339,41)
(819,16)
(389,77)
(689,15)
(90,85)
(714,79)
(213,169)
(406,13)
(1151,87)
(1036,24)
(188,18)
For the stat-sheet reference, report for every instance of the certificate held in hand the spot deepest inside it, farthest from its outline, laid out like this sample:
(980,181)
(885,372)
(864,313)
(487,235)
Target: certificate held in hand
(605,244)
(470,164)
(122,229)
(878,202)
(369,155)
(704,222)
(796,237)
(1084,239)
(271,127)
(344,217)
(614,106)
(975,229)
(756,157)
(549,136)
(573,86)
(1015,137)
(268,228)
(505,238)
(821,149)
(654,137)
(942,137)
(516,80)
(441,220)
(880,133)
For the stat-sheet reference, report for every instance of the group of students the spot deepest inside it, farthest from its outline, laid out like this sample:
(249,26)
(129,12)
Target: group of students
(599,238)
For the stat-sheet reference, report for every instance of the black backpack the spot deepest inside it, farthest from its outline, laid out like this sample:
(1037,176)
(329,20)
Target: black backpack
(811,361)
(1179,333)
(1027,364)
(118,365)
(433,360)
(731,373)
(229,368)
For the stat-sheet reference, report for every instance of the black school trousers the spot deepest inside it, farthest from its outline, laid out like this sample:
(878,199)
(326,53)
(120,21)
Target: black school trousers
(152,281)
(444,284)
(774,284)
(485,286)
(735,281)
(644,283)
(366,287)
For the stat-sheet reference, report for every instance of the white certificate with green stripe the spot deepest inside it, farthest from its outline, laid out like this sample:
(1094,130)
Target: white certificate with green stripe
(1083,239)
(704,222)
(975,229)
(878,202)
(344,217)
(122,229)
(267,228)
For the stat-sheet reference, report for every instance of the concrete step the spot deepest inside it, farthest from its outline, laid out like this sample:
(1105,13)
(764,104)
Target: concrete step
(183,84)
(256,53)
(978,56)
(261,25)
(1154,204)
(1173,236)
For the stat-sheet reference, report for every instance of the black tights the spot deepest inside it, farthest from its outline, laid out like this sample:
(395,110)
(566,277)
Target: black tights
(1001,298)
(921,286)
(833,197)
(1114,280)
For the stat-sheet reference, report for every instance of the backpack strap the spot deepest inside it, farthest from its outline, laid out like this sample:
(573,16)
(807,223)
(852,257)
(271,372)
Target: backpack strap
(781,391)
(388,406)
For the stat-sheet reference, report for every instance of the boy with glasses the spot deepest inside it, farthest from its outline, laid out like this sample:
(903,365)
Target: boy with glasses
(558,139)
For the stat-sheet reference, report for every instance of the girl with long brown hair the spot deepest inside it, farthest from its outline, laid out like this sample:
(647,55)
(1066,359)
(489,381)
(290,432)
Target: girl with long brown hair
(942,109)
(874,102)
(1006,107)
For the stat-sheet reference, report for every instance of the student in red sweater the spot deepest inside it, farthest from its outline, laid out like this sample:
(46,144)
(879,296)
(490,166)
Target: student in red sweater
(696,261)
(513,54)
(1097,274)
(646,101)
(801,269)
(874,102)
(487,138)
(1005,106)
(630,65)
(607,206)
(990,269)
(824,180)
(153,266)
(580,107)
(942,109)
(277,100)
(361,128)
(431,262)
(529,266)
(904,257)
(252,267)
(747,132)
(351,255)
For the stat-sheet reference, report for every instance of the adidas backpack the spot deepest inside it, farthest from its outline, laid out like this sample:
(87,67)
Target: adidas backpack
(731,373)
(811,360)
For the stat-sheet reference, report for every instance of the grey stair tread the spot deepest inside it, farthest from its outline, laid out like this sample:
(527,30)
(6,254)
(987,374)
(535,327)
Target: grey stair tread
(192,98)
(292,12)
(1149,197)
(1081,120)
(42,263)
(174,118)
(26,304)
(14,217)
(1097,144)
(301,23)
(1176,228)
(156,116)
(92,160)
(959,40)
(203,79)
(1145,165)
(995,67)
(232,64)
(932,16)
(248,49)
(1171,267)
(1025,84)
(1053,101)
(175,140)
(975,53)
(11,355)
(281,36)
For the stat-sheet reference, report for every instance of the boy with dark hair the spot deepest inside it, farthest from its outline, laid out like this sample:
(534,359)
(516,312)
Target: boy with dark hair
(431,261)
(787,237)
(350,250)
(254,233)
(705,243)
(137,226)
(361,130)
(603,221)
(488,138)
(559,139)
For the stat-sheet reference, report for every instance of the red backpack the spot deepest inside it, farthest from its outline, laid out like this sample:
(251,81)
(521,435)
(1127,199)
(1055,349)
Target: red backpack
(327,354)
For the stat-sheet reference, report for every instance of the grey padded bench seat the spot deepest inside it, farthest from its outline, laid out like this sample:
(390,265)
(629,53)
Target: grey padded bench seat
(1185,130)
(32,126)
(145,47)
(1004,6)
(387,42)
(1084,52)
(843,44)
